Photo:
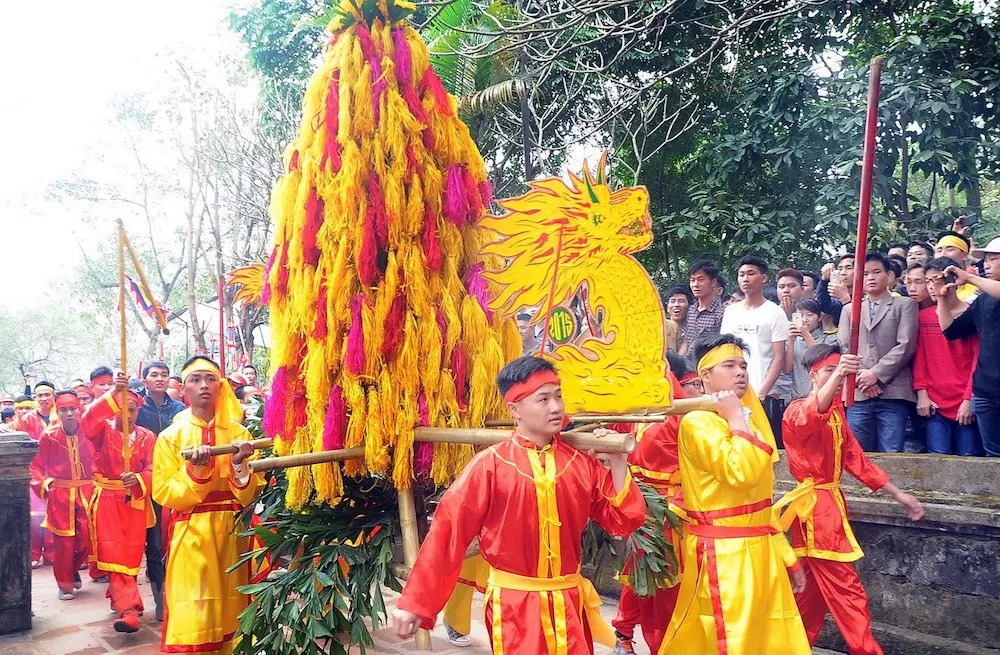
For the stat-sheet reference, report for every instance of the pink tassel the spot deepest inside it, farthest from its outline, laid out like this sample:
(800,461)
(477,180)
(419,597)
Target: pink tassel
(335,424)
(427,136)
(442,323)
(404,62)
(379,83)
(432,249)
(299,405)
(310,231)
(486,193)
(283,271)
(331,152)
(368,257)
(460,368)
(394,323)
(276,405)
(320,330)
(432,83)
(455,202)
(474,203)
(475,286)
(265,294)
(355,338)
(377,205)
(423,453)
(411,163)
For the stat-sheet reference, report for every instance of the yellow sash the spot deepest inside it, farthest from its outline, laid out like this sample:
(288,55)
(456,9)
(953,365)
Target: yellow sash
(800,502)
(590,599)
(140,504)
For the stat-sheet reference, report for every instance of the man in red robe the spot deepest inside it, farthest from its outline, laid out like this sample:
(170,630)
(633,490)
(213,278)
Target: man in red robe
(536,600)
(35,421)
(819,445)
(83,392)
(60,475)
(120,511)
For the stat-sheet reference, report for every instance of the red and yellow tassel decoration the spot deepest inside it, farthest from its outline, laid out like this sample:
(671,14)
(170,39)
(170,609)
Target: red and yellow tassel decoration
(377,301)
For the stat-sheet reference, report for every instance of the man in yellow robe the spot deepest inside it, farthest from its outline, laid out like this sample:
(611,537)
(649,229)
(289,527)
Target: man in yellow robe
(735,597)
(203,495)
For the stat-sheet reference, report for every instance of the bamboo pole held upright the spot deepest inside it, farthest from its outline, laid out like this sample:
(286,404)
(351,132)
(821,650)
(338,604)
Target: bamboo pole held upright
(411,546)
(123,346)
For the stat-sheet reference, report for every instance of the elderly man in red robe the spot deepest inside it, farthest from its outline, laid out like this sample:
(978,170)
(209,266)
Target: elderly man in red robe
(820,447)
(120,510)
(536,599)
(61,476)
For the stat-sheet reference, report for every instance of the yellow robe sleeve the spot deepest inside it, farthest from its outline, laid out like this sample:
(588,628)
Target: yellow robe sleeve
(732,459)
(247,492)
(175,484)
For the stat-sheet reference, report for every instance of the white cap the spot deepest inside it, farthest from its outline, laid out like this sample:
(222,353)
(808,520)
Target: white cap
(992,248)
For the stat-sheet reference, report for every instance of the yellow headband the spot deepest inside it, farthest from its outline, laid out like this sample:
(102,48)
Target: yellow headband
(200,366)
(44,387)
(954,241)
(719,354)
(30,404)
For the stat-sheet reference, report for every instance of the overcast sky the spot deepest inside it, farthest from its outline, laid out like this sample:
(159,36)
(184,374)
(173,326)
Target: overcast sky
(64,66)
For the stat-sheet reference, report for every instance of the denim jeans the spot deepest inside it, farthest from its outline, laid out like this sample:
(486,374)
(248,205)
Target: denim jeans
(948,437)
(987,411)
(879,424)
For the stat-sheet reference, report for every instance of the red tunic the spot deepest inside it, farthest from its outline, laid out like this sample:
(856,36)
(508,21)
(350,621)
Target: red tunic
(119,516)
(32,423)
(60,475)
(943,368)
(821,446)
(529,507)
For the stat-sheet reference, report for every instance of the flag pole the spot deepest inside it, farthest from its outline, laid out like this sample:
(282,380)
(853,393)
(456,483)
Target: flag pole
(144,283)
(222,321)
(864,213)
(123,346)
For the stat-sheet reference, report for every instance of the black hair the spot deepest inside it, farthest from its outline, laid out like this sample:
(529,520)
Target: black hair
(702,347)
(176,377)
(753,260)
(684,291)
(897,266)
(770,292)
(926,246)
(241,392)
(522,316)
(846,255)
(808,305)
(7,413)
(915,265)
(136,386)
(792,273)
(897,244)
(813,275)
(23,398)
(155,364)
(246,366)
(819,352)
(679,365)
(880,258)
(707,267)
(99,371)
(43,383)
(66,392)
(520,370)
(952,233)
(721,280)
(205,358)
(941,264)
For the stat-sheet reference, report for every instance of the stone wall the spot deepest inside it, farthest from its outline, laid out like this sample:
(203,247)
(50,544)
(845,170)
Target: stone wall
(16,452)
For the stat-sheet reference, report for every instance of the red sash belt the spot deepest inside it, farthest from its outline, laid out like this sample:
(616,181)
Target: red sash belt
(706,517)
(731,532)
(215,501)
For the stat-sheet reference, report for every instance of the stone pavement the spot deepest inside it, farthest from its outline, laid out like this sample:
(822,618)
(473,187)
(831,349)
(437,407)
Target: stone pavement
(83,626)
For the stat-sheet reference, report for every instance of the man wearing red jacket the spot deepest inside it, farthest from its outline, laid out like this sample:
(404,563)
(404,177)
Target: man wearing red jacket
(60,475)
(35,421)
(819,445)
(120,511)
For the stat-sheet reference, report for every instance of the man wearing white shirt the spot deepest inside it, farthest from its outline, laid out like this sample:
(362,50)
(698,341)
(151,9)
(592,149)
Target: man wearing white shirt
(764,327)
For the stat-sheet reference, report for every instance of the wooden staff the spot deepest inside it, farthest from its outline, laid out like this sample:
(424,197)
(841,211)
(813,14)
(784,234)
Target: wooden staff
(679,406)
(230,449)
(123,350)
(411,546)
(305,459)
(144,282)
(864,213)
(621,443)
(222,320)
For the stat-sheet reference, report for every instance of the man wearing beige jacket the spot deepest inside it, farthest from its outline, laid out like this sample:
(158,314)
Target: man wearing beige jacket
(884,395)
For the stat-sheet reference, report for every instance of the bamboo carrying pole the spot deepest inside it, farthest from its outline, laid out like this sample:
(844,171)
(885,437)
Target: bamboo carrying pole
(229,449)
(864,213)
(411,546)
(123,349)
(679,406)
(620,443)
(305,459)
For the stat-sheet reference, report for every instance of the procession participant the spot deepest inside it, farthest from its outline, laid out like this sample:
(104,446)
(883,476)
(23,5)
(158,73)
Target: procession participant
(82,391)
(175,389)
(60,475)
(102,379)
(735,597)
(536,599)
(202,599)
(7,401)
(956,245)
(37,419)
(120,510)
(654,461)
(820,446)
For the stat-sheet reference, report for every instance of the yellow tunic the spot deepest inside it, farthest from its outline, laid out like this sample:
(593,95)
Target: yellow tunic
(201,597)
(735,597)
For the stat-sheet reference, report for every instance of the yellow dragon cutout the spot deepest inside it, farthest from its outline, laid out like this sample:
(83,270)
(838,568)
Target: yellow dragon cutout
(572,244)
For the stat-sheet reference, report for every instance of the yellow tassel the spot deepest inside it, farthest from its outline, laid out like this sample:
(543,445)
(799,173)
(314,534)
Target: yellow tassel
(376,448)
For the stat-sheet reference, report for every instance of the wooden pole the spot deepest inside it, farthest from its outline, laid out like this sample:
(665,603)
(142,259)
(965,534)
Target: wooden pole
(679,406)
(144,283)
(620,443)
(305,459)
(864,213)
(123,347)
(230,449)
(411,546)
(222,320)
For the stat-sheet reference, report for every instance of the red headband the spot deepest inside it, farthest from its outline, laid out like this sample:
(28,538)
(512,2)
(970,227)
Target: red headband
(831,359)
(68,400)
(103,379)
(134,395)
(688,377)
(522,390)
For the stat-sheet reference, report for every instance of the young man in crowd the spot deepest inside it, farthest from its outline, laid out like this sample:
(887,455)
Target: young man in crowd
(942,374)
(897,276)
(61,476)
(202,597)
(156,414)
(956,245)
(898,249)
(820,447)
(36,420)
(810,281)
(82,391)
(916,286)
(735,595)
(250,373)
(982,317)
(888,339)
(834,290)
(102,380)
(919,253)
(704,317)
(120,510)
(679,302)
(535,581)
(764,327)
